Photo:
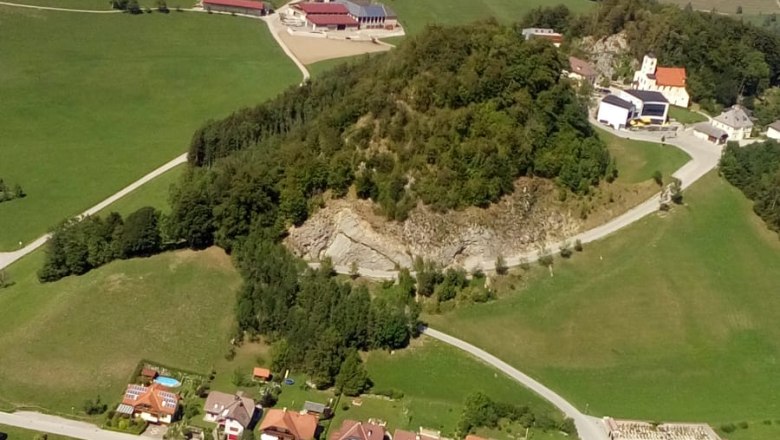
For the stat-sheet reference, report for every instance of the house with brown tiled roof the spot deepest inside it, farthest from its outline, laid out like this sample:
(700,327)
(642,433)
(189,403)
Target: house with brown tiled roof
(155,403)
(280,424)
(353,430)
(233,412)
(669,81)
(582,71)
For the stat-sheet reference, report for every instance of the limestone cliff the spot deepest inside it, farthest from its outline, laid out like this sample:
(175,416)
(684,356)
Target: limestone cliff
(348,230)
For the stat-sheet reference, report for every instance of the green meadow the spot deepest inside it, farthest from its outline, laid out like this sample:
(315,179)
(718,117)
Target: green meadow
(15,433)
(112,97)
(673,318)
(637,160)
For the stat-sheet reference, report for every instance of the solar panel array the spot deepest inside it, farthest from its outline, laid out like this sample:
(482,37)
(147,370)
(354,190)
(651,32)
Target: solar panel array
(135,391)
(168,399)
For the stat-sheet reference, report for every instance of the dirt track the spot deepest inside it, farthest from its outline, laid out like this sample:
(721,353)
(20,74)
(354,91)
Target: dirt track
(310,49)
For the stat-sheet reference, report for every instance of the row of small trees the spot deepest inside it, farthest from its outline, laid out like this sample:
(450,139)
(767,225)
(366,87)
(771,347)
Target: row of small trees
(10,192)
(133,7)
(480,411)
(78,246)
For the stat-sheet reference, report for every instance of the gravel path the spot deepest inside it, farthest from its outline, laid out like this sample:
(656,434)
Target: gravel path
(61,426)
(49,8)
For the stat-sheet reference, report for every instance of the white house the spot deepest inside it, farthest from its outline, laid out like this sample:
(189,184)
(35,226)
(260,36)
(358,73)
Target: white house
(650,106)
(669,81)
(736,122)
(548,34)
(233,412)
(706,131)
(773,130)
(615,112)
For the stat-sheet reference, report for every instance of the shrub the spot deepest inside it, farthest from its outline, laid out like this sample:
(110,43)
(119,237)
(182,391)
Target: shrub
(728,428)
(546,259)
(658,177)
(390,392)
(501,267)
(578,245)
(93,407)
(566,251)
(742,425)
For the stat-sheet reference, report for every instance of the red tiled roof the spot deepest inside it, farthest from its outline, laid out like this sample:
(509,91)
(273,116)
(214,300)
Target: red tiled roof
(352,430)
(670,76)
(300,426)
(333,20)
(322,8)
(473,437)
(581,67)
(148,372)
(400,434)
(154,399)
(264,373)
(246,4)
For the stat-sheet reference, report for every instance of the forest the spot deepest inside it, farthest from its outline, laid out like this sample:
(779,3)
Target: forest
(726,59)
(755,170)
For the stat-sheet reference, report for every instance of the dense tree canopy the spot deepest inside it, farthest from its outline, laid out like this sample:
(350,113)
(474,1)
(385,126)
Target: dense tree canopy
(755,170)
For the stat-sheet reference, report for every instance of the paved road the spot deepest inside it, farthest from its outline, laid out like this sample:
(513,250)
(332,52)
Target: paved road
(589,428)
(7,258)
(275,25)
(49,8)
(58,425)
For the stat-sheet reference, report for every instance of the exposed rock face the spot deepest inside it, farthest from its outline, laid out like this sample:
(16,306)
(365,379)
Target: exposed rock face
(348,230)
(606,53)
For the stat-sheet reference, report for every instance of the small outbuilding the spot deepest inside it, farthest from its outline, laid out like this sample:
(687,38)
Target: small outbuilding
(259,373)
(706,131)
(773,130)
(615,112)
(320,410)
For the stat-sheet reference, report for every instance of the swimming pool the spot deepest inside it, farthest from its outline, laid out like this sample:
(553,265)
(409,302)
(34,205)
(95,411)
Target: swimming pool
(168,381)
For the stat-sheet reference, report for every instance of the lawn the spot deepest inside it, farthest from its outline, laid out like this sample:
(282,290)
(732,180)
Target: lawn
(154,193)
(65,342)
(685,116)
(415,14)
(637,160)
(730,7)
(101,4)
(316,69)
(15,433)
(674,318)
(85,115)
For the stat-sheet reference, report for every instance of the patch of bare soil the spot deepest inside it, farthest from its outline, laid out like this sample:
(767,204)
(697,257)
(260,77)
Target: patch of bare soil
(309,50)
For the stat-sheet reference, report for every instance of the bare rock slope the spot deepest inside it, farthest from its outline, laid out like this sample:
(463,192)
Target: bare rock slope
(348,230)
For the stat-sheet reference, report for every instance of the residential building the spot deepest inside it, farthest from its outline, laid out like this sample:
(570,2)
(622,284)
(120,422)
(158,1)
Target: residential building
(321,410)
(706,131)
(651,106)
(636,430)
(581,71)
(259,373)
(154,403)
(773,130)
(736,122)
(615,112)
(353,430)
(247,7)
(232,412)
(545,33)
(280,424)
(669,81)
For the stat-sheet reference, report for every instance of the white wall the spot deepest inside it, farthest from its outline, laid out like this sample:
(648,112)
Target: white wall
(772,133)
(612,115)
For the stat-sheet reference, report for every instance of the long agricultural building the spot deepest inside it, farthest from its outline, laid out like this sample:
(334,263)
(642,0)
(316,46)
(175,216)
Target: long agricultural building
(247,7)
(345,15)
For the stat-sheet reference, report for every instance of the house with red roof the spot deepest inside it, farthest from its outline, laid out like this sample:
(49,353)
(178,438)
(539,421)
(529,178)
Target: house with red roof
(155,403)
(354,430)
(669,81)
(280,424)
(248,7)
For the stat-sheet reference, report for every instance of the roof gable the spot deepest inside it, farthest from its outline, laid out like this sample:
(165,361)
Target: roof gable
(301,426)
(670,76)
(618,102)
(322,8)
(581,67)
(735,117)
(154,398)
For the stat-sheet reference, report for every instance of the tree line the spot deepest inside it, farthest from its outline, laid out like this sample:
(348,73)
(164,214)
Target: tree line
(10,192)
(79,245)
(480,411)
(726,59)
(755,170)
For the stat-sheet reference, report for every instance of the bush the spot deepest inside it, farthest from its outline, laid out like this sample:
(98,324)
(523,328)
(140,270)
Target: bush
(658,177)
(742,425)
(546,259)
(566,251)
(728,428)
(390,392)
(501,267)
(578,245)
(93,407)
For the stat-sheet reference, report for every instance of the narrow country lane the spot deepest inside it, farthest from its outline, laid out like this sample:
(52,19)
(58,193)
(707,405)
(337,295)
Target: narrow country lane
(8,258)
(50,8)
(588,428)
(61,426)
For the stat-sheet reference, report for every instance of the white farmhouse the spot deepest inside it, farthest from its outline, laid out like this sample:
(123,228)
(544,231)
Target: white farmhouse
(615,112)
(773,130)
(736,122)
(544,33)
(669,81)
(233,412)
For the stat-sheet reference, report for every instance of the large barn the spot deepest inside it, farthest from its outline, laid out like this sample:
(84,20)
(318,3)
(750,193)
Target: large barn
(247,7)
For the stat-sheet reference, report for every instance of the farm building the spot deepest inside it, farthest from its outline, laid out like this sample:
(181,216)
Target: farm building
(651,106)
(325,16)
(371,15)
(154,403)
(581,71)
(232,412)
(615,112)
(545,33)
(706,131)
(247,7)
(669,81)
(773,130)
(736,122)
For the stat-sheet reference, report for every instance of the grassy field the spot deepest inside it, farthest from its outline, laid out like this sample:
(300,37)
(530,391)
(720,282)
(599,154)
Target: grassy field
(730,7)
(85,115)
(101,5)
(316,69)
(674,318)
(637,160)
(15,433)
(435,380)
(65,342)
(685,116)
(415,14)
(154,193)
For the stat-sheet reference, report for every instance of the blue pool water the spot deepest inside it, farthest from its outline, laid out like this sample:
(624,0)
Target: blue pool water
(167,381)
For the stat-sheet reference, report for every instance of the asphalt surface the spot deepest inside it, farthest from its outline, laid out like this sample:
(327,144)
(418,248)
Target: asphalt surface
(8,258)
(588,428)
(61,426)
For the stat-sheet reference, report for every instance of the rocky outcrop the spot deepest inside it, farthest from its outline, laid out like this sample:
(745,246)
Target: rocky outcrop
(348,230)
(607,53)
